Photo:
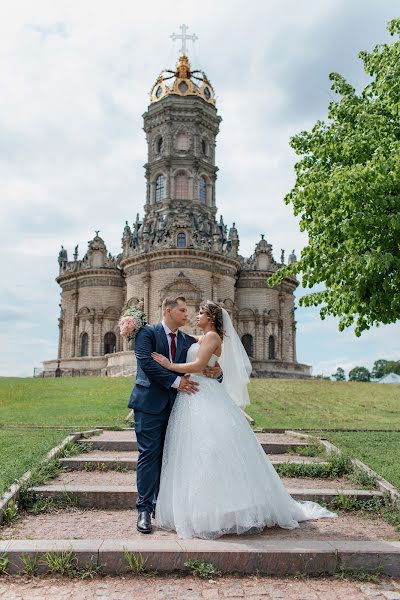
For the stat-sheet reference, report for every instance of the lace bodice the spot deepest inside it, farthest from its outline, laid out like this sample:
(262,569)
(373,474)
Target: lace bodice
(192,353)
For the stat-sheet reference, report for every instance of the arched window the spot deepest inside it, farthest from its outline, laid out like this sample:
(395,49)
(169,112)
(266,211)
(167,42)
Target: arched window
(84,344)
(202,190)
(181,240)
(271,347)
(160,188)
(182,141)
(181,187)
(247,341)
(159,145)
(110,342)
(204,147)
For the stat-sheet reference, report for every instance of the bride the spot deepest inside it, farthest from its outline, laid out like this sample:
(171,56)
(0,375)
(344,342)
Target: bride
(216,478)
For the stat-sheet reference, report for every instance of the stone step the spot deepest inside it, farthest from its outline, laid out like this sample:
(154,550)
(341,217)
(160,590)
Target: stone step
(103,460)
(97,463)
(278,557)
(80,523)
(122,494)
(272,443)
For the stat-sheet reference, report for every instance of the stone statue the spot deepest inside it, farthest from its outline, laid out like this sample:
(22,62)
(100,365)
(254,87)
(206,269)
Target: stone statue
(62,256)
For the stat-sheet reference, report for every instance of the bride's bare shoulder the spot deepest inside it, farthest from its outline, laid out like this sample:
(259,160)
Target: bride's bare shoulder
(212,336)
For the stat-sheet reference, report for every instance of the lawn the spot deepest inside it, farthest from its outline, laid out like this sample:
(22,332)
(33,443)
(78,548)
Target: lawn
(314,404)
(380,451)
(321,404)
(21,449)
(69,401)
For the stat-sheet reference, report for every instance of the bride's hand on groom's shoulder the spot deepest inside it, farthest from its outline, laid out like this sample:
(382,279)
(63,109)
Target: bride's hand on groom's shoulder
(162,360)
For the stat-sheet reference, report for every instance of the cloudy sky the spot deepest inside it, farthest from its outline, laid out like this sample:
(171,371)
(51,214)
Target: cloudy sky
(75,78)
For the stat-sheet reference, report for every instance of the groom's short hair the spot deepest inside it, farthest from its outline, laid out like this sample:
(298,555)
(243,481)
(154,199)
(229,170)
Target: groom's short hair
(171,302)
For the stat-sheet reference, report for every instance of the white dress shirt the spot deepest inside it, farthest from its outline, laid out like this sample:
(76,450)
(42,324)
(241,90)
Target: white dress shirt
(167,332)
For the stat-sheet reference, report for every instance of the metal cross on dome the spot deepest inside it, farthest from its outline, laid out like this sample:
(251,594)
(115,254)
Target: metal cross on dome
(183,36)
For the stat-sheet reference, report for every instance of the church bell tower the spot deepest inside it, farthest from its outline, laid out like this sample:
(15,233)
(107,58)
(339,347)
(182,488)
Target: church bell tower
(181,126)
(185,248)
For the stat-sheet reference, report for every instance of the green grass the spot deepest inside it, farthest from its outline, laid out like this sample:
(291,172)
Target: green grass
(317,404)
(21,450)
(380,451)
(314,404)
(80,401)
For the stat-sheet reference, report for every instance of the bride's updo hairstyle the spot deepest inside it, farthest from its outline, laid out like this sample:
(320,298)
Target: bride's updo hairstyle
(214,311)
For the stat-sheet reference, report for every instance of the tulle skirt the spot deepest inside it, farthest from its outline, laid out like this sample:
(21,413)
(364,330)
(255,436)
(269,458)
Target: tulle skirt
(216,478)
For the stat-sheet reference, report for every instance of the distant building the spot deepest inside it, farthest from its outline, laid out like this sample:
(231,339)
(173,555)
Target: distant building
(179,247)
(389,378)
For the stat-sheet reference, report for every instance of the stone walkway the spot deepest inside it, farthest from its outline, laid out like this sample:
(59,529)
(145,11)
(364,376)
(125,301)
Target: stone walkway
(78,523)
(189,588)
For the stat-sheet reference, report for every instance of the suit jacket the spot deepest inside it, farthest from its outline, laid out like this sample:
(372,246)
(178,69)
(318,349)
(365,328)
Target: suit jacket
(152,392)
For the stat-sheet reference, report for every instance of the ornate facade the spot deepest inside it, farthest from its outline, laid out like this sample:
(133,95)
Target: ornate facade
(178,247)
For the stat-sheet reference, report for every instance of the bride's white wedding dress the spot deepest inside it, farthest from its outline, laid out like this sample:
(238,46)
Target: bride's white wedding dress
(216,478)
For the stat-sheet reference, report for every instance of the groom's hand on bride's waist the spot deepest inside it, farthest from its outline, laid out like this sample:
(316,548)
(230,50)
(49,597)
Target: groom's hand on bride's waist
(187,385)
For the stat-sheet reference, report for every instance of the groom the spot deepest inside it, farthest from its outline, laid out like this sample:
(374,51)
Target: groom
(153,396)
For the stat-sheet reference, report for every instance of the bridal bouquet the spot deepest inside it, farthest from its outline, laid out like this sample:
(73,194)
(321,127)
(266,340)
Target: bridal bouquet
(131,320)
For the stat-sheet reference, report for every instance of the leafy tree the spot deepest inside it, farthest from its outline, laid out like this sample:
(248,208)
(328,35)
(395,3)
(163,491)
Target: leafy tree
(347,194)
(383,367)
(359,374)
(339,375)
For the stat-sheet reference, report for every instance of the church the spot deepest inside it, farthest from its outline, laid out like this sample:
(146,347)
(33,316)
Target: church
(179,246)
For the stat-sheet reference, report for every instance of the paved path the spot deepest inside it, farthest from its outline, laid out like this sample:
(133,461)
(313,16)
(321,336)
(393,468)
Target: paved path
(252,588)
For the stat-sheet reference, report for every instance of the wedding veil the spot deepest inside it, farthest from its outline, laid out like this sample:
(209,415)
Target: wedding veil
(235,364)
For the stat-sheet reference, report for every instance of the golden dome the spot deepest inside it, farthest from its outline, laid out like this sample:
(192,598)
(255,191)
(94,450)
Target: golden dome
(182,83)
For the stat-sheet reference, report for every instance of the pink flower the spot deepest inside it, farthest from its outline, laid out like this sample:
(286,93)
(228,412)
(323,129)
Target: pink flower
(127,326)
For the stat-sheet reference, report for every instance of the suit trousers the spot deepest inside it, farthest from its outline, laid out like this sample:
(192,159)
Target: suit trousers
(150,435)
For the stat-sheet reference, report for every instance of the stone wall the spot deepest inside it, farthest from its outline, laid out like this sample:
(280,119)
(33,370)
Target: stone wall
(91,303)
(263,312)
(120,364)
(111,365)
(197,276)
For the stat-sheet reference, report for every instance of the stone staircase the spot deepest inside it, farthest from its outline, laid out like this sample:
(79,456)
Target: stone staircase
(96,519)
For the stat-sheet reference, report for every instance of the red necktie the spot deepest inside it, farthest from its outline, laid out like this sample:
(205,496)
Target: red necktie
(173,346)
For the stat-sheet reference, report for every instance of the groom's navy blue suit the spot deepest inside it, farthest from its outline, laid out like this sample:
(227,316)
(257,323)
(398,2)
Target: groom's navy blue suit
(152,399)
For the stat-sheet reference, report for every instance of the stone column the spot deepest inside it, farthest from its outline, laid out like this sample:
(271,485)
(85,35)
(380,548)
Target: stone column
(214,287)
(265,324)
(101,347)
(146,284)
(280,341)
(294,338)
(191,186)
(256,336)
(168,185)
(60,334)
(212,203)
(91,320)
(152,192)
(75,296)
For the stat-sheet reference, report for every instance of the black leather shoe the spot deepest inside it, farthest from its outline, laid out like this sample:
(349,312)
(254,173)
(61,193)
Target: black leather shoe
(144,522)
